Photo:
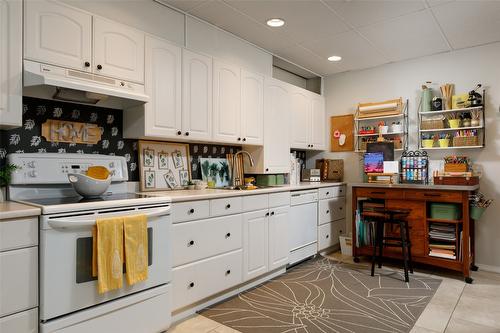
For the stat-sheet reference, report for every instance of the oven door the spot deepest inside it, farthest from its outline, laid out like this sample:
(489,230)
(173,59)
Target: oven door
(66,282)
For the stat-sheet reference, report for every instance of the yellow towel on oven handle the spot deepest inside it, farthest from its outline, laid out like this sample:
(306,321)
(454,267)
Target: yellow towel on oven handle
(136,248)
(109,253)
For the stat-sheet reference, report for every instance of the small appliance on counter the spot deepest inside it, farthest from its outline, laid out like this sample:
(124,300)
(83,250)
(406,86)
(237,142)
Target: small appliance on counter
(311,175)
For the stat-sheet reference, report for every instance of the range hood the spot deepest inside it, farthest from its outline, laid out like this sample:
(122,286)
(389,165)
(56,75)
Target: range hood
(53,82)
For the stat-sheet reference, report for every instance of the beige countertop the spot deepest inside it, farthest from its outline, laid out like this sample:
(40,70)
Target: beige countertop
(13,210)
(190,195)
(419,186)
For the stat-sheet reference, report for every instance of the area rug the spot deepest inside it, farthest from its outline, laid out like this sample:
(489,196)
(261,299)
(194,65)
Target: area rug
(322,295)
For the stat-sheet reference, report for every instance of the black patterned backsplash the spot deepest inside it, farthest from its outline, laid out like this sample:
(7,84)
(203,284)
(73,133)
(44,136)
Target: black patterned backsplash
(28,139)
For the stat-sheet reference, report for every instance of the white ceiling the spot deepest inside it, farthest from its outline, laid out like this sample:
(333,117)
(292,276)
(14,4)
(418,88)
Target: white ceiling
(366,33)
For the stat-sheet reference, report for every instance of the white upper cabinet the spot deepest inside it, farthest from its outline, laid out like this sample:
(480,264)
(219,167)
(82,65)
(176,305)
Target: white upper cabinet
(196,96)
(57,34)
(11,70)
(278,237)
(318,122)
(118,51)
(300,118)
(252,108)
(163,85)
(276,127)
(227,102)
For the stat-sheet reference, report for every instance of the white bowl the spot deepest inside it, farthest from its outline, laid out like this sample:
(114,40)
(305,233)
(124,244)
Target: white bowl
(87,186)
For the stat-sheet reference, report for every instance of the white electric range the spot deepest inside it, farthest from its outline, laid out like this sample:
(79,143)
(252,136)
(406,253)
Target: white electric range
(69,301)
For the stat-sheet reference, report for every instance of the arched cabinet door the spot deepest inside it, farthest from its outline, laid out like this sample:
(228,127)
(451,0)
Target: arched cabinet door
(300,118)
(118,51)
(57,34)
(252,108)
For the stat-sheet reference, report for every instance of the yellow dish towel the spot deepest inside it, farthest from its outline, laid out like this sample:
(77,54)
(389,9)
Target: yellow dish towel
(109,253)
(136,248)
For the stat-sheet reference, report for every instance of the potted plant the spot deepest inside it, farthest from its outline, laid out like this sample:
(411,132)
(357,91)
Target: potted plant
(5,175)
(190,185)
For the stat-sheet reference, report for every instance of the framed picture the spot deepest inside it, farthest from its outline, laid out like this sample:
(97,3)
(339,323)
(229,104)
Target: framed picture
(163,165)
(183,177)
(163,160)
(149,179)
(148,158)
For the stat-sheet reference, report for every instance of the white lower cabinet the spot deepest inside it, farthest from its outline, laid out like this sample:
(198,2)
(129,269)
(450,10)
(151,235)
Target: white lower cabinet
(278,237)
(22,322)
(205,238)
(255,243)
(196,281)
(328,234)
(331,210)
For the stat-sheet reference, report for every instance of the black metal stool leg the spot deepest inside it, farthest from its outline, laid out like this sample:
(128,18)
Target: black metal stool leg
(380,244)
(408,243)
(375,243)
(404,248)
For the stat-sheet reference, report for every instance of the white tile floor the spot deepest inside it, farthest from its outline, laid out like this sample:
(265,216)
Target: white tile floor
(456,307)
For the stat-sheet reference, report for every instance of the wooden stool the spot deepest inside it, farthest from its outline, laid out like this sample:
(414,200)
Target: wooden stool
(393,217)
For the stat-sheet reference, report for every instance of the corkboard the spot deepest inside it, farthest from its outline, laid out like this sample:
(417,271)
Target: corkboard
(342,125)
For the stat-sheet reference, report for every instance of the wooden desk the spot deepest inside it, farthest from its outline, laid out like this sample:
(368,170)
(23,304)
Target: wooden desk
(417,198)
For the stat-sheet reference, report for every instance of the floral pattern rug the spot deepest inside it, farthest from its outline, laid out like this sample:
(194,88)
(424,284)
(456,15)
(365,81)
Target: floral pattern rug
(322,295)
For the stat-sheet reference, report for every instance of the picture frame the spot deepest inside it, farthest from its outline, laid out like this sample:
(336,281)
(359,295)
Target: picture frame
(169,161)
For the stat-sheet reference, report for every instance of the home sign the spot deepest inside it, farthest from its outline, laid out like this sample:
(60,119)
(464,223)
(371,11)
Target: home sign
(71,132)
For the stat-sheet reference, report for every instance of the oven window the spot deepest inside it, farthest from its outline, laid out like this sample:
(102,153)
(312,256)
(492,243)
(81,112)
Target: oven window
(84,257)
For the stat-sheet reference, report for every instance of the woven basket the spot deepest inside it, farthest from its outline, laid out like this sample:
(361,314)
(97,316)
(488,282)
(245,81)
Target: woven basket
(432,124)
(455,167)
(462,141)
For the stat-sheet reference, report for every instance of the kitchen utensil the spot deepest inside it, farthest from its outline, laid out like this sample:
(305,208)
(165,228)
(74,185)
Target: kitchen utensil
(475,98)
(88,187)
(436,104)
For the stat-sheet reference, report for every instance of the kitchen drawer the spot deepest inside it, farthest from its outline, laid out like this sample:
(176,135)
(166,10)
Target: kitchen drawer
(15,234)
(196,240)
(22,322)
(196,281)
(445,196)
(331,210)
(225,206)
(279,199)
(328,234)
(380,193)
(331,192)
(255,202)
(18,280)
(191,210)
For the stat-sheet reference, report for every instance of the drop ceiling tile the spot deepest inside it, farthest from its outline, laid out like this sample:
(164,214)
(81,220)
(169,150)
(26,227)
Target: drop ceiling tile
(361,12)
(355,51)
(410,36)
(303,18)
(225,17)
(469,23)
(184,5)
(309,60)
(433,3)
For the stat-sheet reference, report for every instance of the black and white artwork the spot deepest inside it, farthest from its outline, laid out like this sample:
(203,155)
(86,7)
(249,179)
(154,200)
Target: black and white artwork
(163,160)
(149,177)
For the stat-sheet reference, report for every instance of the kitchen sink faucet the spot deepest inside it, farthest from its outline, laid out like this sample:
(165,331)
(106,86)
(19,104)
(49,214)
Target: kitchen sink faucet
(234,178)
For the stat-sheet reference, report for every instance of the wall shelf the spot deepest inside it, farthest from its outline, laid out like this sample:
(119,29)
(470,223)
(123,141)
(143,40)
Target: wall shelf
(451,148)
(450,129)
(380,117)
(430,113)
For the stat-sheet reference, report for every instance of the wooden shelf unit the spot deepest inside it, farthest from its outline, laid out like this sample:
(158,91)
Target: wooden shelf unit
(417,200)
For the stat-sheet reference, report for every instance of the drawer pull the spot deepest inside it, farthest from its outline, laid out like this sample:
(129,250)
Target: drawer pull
(191,243)
(228,206)
(191,285)
(327,193)
(191,211)
(340,208)
(272,213)
(328,211)
(435,195)
(228,272)
(377,192)
(267,214)
(228,235)
(327,236)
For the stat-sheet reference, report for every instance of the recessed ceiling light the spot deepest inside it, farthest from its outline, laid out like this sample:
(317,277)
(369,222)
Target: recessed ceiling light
(275,22)
(335,58)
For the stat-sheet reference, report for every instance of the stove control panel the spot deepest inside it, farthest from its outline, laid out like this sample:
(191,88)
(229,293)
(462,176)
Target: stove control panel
(53,168)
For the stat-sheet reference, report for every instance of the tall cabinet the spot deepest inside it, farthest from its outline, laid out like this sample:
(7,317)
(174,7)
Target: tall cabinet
(11,18)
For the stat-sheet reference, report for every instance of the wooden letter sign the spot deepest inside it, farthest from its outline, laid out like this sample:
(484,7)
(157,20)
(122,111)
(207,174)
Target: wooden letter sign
(71,132)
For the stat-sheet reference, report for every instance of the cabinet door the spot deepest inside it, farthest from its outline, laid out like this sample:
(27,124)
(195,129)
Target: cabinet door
(196,95)
(278,237)
(318,123)
(252,108)
(300,118)
(57,34)
(276,127)
(163,85)
(255,244)
(11,70)
(118,51)
(227,103)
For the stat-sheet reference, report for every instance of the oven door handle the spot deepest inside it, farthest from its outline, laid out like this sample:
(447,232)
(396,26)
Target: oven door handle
(69,223)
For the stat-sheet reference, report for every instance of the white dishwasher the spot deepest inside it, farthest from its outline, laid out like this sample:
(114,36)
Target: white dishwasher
(303,230)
